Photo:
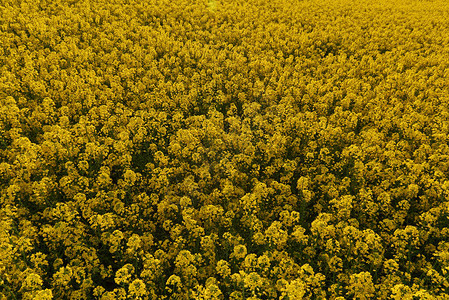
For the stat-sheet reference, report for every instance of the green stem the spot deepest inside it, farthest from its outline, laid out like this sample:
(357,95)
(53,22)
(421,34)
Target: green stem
(409,256)
(10,291)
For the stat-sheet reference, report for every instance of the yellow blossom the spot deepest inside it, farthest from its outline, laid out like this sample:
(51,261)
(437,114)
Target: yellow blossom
(124,274)
(239,251)
(223,268)
(361,286)
(137,288)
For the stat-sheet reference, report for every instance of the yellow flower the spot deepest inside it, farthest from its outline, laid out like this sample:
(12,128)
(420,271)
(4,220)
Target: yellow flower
(108,296)
(252,281)
(115,239)
(137,288)
(152,267)
(259,238)
(173,283)
(212,5)
(361,286)
(211,292)
(98,291)
(308,195)
(298,234)
(183,259)
(294,290)
(281,284)
(134,243)
(343,206)
(239,251)
(236,295)
(130,177)
(32,282)
(277,235)
(401,292)
(223,268)
(335,264)
(63,276)
(391,266)
(123,275)
(263,263)
(104,178)
(43,295)
(321,228)
(250,262)
(185,202)
(39,260)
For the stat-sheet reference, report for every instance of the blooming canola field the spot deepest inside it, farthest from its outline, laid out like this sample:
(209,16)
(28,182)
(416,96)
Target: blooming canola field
(224,149)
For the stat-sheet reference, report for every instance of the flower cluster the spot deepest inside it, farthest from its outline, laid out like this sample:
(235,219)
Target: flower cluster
(224,149)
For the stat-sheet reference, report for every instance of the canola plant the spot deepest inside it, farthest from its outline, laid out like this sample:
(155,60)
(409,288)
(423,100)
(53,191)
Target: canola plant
(224,149)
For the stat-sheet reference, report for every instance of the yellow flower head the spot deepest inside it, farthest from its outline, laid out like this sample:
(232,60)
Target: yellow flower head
(173,283)
(239,251)
(250,262)
(130,177)
(361,286)
(134,242)
(137,288)
(259,238)
(294,290)
(32,282)
(123,275)
(223,268)
(46,294)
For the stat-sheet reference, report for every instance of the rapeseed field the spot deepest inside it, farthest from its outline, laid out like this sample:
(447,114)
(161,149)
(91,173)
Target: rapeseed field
(224,149)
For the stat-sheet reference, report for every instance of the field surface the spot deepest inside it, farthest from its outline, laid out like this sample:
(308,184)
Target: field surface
(224,149)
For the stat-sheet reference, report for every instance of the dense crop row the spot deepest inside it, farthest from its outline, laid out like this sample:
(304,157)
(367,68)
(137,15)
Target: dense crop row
(224,149)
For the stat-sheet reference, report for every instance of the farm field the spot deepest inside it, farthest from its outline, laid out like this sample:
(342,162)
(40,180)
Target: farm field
(224,149)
